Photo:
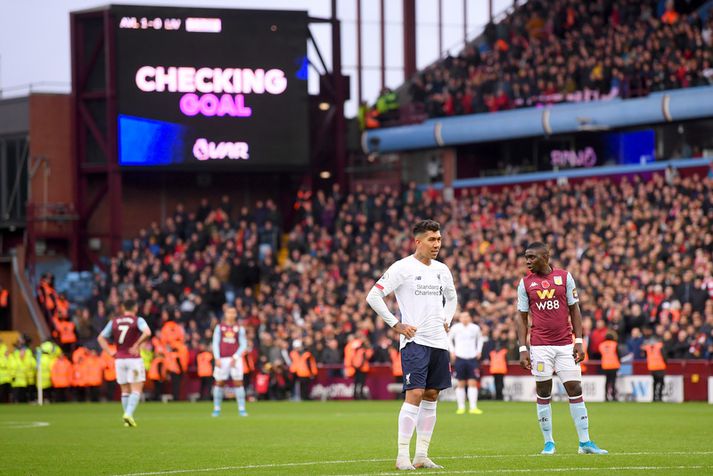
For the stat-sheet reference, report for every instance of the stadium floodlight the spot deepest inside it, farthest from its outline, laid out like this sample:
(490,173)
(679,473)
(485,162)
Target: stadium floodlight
(324,106)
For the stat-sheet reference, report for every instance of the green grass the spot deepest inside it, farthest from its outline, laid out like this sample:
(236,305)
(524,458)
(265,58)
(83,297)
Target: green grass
(346,438)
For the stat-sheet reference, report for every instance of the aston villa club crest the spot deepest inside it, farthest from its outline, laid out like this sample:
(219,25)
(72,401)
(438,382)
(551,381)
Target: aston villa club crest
(545,284)
(558,280)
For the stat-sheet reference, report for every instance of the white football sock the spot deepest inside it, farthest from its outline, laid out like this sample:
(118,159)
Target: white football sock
(407,423)
(473,397)
(424,426)
(460,398)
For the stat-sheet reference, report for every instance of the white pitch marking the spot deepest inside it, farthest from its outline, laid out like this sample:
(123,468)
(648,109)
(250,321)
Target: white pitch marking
(15,425)
(380,460)
(542,470)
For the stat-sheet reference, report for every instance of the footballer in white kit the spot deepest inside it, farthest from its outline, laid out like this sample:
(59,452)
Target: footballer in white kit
(466,340)
(427,301)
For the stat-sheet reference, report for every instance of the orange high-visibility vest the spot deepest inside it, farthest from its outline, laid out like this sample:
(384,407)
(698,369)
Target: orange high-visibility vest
(171,364)
(109,367)
(157,371)
(61,373)
(396,369)
(79,354)
(248,363)
(303,365)
(62,308)
(610,357)
(203,360)
(48,296)
(158,347)
(349,369)
(93,370)
(66,332)
(3,298)
(172,333)
(654,357)
(360,359)
(499,362)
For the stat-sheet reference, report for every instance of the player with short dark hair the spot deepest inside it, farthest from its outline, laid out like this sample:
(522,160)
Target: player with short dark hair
(466,340)
(420,283)
(548,297)
(128,332)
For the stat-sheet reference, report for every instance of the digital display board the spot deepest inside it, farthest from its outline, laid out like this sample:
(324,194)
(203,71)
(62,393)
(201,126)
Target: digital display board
(211,88)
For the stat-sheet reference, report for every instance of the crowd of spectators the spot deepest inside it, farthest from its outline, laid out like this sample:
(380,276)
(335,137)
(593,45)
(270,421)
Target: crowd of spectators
(550,51)
(641,252)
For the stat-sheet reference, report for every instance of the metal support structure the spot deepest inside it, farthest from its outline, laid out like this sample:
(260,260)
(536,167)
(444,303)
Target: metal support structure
(465,21)
(490,9)
(358,52)
(382,37)
(440,28)
(94,114)
(340,125)
(409,18)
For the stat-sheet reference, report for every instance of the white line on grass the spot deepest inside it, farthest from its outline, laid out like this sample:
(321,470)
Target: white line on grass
(381,460)
(14,425)
(539,470)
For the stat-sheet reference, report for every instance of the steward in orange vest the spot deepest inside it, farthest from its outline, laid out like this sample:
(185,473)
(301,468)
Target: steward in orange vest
(304,367)
(610,364)
(359,361)
(66,333)
(61,374)
(498,369)
(204,369)
(109,373)
(172,333)
(176,361)
(656,363)
(93,373)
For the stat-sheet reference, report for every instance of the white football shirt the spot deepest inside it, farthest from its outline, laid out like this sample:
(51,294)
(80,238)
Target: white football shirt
(466,341)
(420,291)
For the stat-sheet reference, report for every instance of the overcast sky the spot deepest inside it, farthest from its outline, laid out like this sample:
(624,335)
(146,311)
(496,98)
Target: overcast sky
(34,37)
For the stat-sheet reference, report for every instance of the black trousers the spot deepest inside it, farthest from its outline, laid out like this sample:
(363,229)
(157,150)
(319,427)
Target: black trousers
(359,381)
(20,394)
(109,389)
(610,388)
(206,384)
(658,384)
(304,387)
(5,392)
(499,385)
(176,385)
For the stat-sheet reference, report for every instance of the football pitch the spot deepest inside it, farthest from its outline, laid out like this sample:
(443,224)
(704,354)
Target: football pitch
(345,438)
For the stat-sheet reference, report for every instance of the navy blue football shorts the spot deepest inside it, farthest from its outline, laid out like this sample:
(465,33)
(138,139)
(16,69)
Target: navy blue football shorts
(467,369)
(425,367)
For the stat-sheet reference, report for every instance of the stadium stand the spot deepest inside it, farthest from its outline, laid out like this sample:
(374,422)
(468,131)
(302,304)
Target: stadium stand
(567,51)
(641,250)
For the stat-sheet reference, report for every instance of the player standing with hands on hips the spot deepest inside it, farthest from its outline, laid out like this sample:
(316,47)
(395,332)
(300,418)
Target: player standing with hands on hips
(128,332)
(549,297)
(420,283)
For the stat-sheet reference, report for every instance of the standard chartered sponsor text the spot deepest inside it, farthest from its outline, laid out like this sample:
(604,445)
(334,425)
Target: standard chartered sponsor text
(428,290)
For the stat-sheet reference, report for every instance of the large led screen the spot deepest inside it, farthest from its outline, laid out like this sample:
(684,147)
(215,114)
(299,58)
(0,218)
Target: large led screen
(206,88)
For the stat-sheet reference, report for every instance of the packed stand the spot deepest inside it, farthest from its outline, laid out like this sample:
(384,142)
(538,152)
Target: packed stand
(566,50)
(641,252)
